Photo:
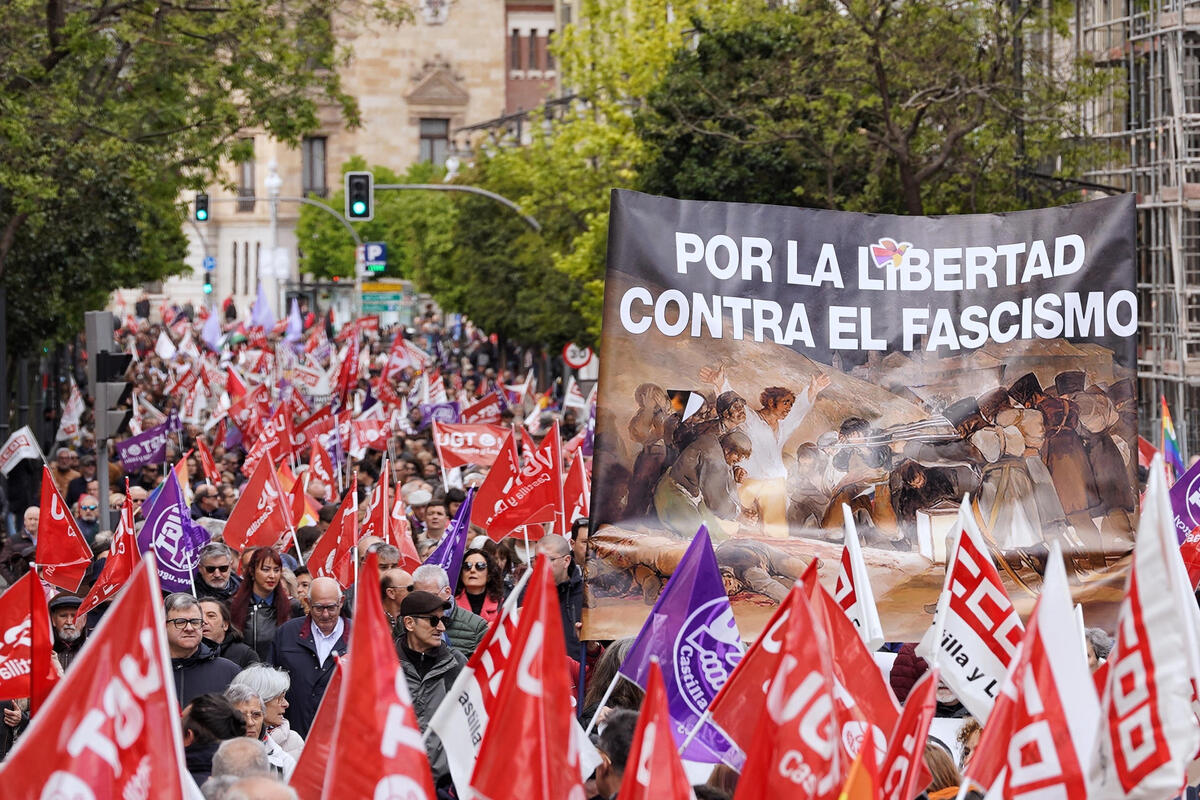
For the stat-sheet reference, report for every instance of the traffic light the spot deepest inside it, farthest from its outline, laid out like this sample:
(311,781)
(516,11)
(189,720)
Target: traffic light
(360,196)
(202,207)
(207,283)
(106,375)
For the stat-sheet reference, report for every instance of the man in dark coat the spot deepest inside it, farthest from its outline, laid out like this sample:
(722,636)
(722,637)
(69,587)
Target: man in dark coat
(214,573)
(18,549)
(306,647)
(569,581)
(69,636)
(196,667)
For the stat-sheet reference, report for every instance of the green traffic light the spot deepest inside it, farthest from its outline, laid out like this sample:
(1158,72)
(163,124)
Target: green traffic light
(358,207)
(202,214)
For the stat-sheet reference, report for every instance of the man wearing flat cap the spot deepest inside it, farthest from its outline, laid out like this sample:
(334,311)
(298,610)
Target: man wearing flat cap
(430,665)
(69,635)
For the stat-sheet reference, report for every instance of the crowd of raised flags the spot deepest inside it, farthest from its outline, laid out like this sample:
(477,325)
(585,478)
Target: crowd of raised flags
(803,712)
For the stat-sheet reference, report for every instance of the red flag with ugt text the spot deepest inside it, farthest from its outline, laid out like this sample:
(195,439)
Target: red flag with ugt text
(459,445)
(1043,725)
(489,497)
(739,705)
(262,514)
(377,747)
(536,495)
(653,770)
(332,555)
(794,752)
(308,778)
(122,560)
(533,709)
(62,553)
(577,492)
(19,636)
(111,729)
(903,773)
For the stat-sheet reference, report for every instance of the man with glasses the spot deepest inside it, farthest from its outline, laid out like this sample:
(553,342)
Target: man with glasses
(464,629)
(214,575)
(137,496)
(306,647)
(196,667)
(394,585)
(430,666)
(87,516)
(206,502)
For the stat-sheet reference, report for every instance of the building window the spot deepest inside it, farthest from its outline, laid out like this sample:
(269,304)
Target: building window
(533,53)
(235,263)
(566,14)
(549,55)
(246,268)
(312,156)
(435,140)
(246,180)
(515,47)
(257,261)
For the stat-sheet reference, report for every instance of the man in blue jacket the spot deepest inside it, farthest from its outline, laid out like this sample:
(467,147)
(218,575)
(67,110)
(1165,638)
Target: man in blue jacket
(307,648)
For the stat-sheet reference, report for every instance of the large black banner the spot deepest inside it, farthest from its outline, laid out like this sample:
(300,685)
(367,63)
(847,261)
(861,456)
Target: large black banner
(763,366)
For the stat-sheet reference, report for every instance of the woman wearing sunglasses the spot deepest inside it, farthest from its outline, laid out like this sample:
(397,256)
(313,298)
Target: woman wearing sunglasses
(480,585)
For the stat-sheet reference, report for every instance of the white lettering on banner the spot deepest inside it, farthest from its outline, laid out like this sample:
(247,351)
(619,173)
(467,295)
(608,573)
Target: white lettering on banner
(398,787)
(525,681)
(643,767)
(893,782)
(397,731)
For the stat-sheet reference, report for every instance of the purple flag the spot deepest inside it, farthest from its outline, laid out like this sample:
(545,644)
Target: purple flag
(589,436)
(692,633)
(449,553)
(173,536)
(211,334)
(442,412)
(1185,501)
(295,327)
(149,446)
(262,315)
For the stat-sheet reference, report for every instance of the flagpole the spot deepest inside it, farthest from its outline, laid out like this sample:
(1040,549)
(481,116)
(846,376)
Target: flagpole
(705,717)
(603,699)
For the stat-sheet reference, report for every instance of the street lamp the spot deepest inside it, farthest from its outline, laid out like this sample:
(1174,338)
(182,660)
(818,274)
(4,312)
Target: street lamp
(273,184)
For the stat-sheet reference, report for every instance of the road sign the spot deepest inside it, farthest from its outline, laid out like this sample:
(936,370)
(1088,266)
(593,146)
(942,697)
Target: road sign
(210,263)
(375,256)
(575,356)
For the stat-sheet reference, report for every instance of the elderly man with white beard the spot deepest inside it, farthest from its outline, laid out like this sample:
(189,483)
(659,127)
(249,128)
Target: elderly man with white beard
(69,635)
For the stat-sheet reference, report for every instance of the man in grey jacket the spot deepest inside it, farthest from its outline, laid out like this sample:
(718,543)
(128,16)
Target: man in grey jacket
(430,666)
(464,630)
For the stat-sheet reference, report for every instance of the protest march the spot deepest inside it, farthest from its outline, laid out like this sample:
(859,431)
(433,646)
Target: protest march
(857,508)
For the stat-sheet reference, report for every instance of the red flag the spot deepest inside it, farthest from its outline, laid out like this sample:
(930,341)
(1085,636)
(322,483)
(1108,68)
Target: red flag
(261,516)
(577,492)
(1044,720)
(304,509)
(794,752)
(308,778)
(485,412)
(533,708)
(536,494)
(43,676)
(62,552)
(372,433)
(20,606)
(904,774)
(738,706)
(400,535)
(112,729)
(211,473)
(379,510)
(653,769)
(321,467)
(458,445)
(329,556)
(490,497)
(122,560)
(234,385)
(274,442)
(347,378)
(377,747)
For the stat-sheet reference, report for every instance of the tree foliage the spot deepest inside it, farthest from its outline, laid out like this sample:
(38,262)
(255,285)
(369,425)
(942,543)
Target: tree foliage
(108,110)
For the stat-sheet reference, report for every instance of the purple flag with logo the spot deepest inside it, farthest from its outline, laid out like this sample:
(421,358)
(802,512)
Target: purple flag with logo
(173,536)
(449,553)
(149,446)
(442,412)
(1185,501)
(692,632)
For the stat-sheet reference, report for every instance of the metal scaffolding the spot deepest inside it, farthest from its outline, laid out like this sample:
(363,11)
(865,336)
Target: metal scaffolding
(1151,116)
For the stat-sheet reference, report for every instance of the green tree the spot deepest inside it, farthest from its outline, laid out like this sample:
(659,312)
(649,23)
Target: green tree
(108,110)
(416,225)
(910,107)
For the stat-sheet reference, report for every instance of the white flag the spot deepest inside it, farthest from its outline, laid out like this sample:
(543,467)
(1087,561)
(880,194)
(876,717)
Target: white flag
(975,630)
(853,588)
(1148,731)
(20,446)
(164,348)
(574,398)
(68,426)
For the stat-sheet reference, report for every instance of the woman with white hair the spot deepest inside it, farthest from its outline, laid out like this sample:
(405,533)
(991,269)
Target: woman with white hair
(247,701)
(271,686)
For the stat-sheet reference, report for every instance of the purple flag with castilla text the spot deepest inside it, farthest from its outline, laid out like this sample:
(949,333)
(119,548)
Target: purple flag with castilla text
(1185,501)
(692,633)
(449,553)
(173,536)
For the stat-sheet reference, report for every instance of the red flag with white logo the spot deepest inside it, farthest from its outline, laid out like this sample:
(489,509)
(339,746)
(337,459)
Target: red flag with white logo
(976,629)
(577,491)
(1148,731)
(377,748)
(853,588)
(459,445)
(122,560)
(262,515)
(533,708)
(903,773)
(534,495)
(111,729)
(653,770)
(332,555)
(794,752)
(19,636)
(62,553)
(485,412)
(1043,726)
(372,433)
(308,778)
(738,706)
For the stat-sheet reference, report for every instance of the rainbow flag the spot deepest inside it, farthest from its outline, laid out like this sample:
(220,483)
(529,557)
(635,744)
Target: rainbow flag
(1170,445)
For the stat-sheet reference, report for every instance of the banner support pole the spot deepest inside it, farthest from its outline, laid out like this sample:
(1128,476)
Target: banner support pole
(705,717)
(604,699)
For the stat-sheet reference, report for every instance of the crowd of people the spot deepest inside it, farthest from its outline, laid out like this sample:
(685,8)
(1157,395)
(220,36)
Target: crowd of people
(254,644)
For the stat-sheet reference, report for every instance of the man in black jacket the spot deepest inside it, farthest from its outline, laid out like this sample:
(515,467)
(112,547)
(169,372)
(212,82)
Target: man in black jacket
(306,647)
(196,667)
(569,581)
(214,575)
